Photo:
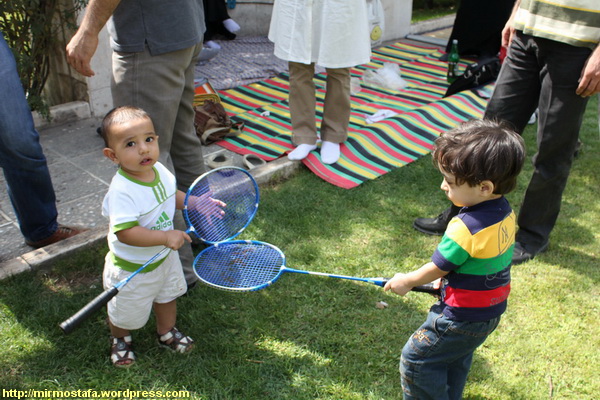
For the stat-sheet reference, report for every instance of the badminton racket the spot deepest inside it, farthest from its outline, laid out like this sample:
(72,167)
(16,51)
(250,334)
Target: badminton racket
(249,265)
(218,206)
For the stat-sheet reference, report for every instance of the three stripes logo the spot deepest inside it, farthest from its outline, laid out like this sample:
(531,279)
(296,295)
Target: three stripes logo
(163,222)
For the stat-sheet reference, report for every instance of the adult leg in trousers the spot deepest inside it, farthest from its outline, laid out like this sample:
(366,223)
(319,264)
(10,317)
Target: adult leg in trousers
(555,68)
(336,114)
(302,102)
(181,150)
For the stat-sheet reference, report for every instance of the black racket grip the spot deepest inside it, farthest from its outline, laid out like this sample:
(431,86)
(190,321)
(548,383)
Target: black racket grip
(73,322)
(428,288)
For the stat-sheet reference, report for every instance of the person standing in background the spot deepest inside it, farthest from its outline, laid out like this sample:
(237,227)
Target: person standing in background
(23,162)
(552,63)
(335,35)
(155,49)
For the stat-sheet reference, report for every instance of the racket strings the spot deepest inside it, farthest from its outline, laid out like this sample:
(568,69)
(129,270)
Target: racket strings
(239,265)
(213,222)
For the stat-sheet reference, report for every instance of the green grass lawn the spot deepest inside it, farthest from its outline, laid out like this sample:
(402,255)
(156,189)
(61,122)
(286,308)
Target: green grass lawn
(321,338)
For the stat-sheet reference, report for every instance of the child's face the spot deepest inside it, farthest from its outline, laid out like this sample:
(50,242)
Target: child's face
(460,195)
(134,147)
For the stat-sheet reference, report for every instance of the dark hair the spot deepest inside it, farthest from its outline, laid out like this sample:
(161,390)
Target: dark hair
(119,115)
(480,150)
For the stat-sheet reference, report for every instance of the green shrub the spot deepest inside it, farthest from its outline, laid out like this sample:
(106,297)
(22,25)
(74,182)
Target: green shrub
(31,29)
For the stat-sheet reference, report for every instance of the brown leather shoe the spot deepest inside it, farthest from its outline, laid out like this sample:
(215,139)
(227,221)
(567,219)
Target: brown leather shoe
(61,233)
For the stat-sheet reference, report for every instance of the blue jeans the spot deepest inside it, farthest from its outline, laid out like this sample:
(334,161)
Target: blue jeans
(436,359)
(544,74)
(21,157)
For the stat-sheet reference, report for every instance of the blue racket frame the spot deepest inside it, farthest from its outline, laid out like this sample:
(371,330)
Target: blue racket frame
(234,186)
(251,265)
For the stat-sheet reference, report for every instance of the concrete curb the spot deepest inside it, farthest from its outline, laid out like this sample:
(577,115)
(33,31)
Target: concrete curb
(42,259)
(432,25)
(62,113)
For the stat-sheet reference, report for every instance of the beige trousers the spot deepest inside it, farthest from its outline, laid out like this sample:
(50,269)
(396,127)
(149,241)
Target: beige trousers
(302,100)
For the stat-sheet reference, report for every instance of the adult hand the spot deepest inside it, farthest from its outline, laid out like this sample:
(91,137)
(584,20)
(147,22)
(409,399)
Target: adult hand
(80,50)
(208,206)
(589,82)
(507,34)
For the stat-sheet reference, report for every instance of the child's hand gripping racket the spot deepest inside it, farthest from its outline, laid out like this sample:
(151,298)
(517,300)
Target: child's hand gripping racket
(218,206)
(247,265)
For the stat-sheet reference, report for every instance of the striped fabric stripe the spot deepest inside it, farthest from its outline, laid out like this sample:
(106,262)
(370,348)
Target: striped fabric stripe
(371,150)
(479,299)
(575,22)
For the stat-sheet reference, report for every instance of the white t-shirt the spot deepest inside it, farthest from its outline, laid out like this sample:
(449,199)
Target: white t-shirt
(129,203)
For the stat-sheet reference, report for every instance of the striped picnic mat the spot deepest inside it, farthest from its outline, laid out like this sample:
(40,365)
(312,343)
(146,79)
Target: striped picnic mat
(371,150)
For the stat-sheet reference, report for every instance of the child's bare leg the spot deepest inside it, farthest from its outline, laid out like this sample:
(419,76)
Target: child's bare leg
(166,316)
(117,332)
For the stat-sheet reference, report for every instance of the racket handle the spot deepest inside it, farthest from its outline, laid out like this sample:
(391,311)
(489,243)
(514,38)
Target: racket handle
(73,322)
(428,288)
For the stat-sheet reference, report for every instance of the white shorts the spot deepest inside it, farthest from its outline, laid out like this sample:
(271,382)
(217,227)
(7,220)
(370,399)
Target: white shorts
(131,307)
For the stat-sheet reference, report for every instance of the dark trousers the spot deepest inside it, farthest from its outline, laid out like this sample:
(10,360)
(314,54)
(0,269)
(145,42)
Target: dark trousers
(478,26)
(543,74)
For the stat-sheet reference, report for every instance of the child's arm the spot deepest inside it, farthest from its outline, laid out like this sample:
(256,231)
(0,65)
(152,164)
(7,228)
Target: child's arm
(403,283)
(143,237)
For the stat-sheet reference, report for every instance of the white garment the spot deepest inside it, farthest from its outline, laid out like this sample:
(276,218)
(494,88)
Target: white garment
(131,308)
(129,203)
(330,33)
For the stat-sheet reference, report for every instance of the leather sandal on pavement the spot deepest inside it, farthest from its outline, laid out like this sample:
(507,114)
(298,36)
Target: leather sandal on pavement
(121,353)
(176,341)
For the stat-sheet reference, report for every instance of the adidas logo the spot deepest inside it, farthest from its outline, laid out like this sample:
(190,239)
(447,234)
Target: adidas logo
(163,222)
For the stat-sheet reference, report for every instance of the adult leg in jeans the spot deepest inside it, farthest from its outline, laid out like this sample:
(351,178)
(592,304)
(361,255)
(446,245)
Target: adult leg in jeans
(21,157)
(168,101)
(549,71)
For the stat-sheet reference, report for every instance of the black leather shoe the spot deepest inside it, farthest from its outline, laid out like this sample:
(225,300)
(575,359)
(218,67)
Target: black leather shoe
(437,225)
(522,254)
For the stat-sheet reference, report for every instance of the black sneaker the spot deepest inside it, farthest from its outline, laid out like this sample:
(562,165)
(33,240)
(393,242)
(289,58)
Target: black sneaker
(522,254)
(437,225)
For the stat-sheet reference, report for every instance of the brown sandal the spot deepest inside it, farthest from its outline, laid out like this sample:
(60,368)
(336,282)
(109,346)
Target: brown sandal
(121,353)
(176,341)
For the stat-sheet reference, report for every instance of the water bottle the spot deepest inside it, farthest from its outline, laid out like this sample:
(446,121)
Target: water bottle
(453,59)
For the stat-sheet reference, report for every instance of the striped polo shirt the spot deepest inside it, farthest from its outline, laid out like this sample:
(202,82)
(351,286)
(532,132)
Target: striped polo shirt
(477,250)
(575,22)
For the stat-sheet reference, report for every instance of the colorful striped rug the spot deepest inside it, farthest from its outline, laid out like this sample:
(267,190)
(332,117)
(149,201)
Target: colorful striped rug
(371,150)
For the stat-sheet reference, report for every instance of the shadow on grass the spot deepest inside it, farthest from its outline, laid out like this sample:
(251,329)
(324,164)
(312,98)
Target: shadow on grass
(302,338)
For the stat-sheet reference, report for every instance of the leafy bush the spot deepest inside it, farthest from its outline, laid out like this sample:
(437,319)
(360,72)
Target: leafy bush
(31,29)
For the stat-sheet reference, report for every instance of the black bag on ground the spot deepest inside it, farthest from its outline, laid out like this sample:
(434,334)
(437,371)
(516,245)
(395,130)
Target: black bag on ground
(476,74)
